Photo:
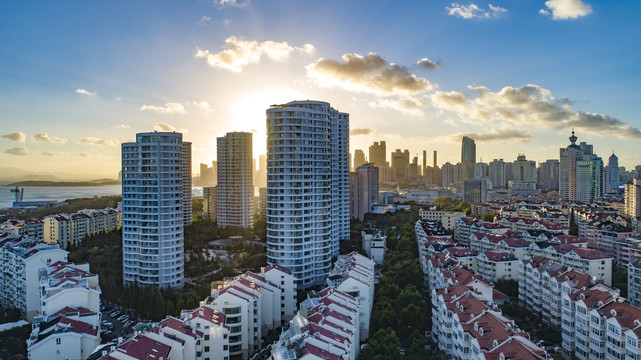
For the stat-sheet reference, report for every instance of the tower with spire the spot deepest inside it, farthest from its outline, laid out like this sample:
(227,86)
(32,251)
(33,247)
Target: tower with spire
(580,172)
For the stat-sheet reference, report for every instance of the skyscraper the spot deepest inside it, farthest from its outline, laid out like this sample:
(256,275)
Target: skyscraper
(580,172)
(632,205)
(378,154)
(235,187)
(363,190)
(468,158)
(400,165)
(496,173)
(359,158)
(307,187)
(548,175)
(613,167)
(475,191)
(153,214)
(524,170)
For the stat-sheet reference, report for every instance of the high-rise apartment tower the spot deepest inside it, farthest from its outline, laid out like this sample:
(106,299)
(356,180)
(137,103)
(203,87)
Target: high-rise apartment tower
(307,187)
(235,189)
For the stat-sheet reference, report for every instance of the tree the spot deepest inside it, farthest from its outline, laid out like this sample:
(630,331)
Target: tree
(382,345)
(509,287)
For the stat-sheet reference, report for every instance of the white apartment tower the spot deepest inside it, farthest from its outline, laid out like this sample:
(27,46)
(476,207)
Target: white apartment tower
(153,215)
(235,189)
(187,183)
(307,187)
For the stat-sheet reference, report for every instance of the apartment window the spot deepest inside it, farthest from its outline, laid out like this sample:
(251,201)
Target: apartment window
(206,337)
(206,348)
(58,341)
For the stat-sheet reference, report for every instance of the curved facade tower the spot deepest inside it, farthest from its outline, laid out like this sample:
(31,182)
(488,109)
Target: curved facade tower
(307,187)
(152,209)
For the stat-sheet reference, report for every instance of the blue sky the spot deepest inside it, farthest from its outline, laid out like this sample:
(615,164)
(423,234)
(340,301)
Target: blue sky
(78,78)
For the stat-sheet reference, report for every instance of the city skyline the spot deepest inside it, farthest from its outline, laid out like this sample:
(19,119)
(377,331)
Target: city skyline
(514,76)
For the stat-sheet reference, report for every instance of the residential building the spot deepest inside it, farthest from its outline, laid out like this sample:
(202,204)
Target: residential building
(634,282)
(496,173)
(307,201)
(580,172)
(235,189)
(69,315)
(21,260)
(493,265)
(353,274)
(153,214)
(480,170)
(374,244)
(547,176)
(186,183)
(475,191)
(451,174)
(359,158)
(633,199)
(210,197)
(612,185)
(400,165)
(468,158)
(447,218)
(363,190)
(31,228)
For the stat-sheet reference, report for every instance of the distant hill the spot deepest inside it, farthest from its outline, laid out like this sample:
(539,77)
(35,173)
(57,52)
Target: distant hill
(98,182)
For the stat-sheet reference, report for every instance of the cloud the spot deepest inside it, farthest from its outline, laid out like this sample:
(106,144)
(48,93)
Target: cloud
(43,137)
(428,64)
(18,150)
(83,154)
(473,11)
(96,141)
(168,108)
(448,99)
(161,126)
(203,105)
(123,126)
(566,9)
(371,74)
(240,53)
(530,106)
(85,92)
(204,19)
(497,135)
(360,131)
(47,153)
(412,105)
(17,136)
(231,3)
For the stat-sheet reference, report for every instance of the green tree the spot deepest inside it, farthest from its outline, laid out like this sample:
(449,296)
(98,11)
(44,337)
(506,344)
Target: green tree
(382,345)
(509,287)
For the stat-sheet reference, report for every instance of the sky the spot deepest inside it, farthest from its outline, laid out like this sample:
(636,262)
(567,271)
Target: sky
(78,78)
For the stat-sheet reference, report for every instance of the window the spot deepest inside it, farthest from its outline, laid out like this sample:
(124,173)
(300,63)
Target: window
(58,341)
(206,348)
(206,337)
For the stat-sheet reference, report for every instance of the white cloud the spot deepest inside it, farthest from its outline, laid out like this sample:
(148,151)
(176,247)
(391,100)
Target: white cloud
(18,150)
(504,134)
(85,92)
(413,105)
(43,137)
(240,53)
(168,108)
(360,131)
(47,153)
(123,126)
(17,136)
(83,154)
(566,9)
(161,126)
(203,105)
(370,73)
(231,3)
(529,106)
(204,19)
(428,64)
(473,11)
(96,141)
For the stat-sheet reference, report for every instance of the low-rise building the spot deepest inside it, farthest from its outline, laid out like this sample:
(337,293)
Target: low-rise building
(447,218)
(21,259)
(634,282)
(374,244)
(493,265)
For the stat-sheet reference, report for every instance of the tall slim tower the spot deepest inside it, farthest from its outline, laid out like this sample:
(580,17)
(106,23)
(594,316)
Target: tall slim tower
(153,202)
(235,189)
(468,158)
(307,187)
(359,158)
(378,153)
(613,165)
(580,172)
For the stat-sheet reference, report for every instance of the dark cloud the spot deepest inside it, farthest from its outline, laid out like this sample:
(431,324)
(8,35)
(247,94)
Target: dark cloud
(360,131)
(370,73)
